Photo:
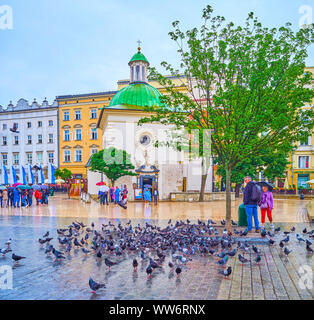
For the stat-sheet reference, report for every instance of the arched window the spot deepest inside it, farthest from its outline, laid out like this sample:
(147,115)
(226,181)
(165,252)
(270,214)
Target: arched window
(132,74)
(143,73)
(137,73)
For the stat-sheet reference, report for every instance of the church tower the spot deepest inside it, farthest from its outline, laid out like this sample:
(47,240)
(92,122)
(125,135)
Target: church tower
(138,67)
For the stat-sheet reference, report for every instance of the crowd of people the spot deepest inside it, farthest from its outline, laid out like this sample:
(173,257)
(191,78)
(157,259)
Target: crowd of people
(254,196)
(16,198)
(113,194)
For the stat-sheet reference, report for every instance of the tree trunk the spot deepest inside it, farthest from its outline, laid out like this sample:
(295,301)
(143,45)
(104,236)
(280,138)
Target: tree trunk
(203,184)
(228,198)
(237,190)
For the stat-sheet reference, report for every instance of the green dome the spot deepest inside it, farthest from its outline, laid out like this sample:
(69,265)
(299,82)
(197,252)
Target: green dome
(136,95)
(138,57)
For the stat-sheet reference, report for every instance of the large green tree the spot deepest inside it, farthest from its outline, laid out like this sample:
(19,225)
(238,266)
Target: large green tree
(246,84)
(64,174)
(113,163)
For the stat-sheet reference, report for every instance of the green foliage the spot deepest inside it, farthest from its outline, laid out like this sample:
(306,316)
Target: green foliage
(246,84)
(64,174)
(113,163)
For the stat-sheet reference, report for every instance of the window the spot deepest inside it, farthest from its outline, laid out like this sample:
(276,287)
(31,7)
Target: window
(66,135)
(50,138)
(4,141)
(93,151)
(305,143)
(304,162)
(77,114)
(4,126)
(137,73)
(16,140)
(40,138)
(16,160)
(40,124)
(29,139)
(93,114)
(50,123)
(4,159)
(67,155)
(94,134)
(39,157)
(143,73)
(29,158)
(78,155)
(29,124)
(66,116)
(78,134)
(50,157)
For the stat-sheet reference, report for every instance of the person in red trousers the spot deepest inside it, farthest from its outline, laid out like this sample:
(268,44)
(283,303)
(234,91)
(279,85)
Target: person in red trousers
(266,205)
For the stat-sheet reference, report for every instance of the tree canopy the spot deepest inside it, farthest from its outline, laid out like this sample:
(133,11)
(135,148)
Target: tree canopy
(246,84)
(64,174)
(113,163)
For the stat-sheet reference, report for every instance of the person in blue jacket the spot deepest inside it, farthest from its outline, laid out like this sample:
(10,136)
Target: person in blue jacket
(147,195)
(117,195)
(16,197)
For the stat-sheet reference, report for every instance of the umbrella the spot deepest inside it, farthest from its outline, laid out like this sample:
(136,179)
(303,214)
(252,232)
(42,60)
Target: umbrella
(264,183)
(43,186)
(101,183)
(16,184)
(3,187)
(310,181)
(59,181)
(147,186)
(24,187)
(36,187)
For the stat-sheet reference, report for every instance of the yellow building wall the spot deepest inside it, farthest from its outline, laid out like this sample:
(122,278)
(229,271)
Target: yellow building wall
(86,144)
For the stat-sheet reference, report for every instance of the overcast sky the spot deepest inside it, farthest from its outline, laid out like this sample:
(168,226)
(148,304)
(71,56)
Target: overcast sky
(77,46)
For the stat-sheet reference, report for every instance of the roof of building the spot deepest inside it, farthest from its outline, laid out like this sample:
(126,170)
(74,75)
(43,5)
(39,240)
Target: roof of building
(136,96)
(94,94)
(138,56)
(23,105)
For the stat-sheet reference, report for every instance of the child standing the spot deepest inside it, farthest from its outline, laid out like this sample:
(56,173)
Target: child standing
(266,205)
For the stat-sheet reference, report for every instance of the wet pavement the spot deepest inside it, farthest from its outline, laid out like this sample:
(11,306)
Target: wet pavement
(38,277)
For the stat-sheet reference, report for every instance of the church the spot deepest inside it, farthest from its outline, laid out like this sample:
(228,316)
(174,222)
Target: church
(162,167)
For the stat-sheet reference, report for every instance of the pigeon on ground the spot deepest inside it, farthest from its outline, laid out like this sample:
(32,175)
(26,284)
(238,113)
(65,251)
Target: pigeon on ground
(292,229)
(109,263)
(287,251)
(57,254)
(178,271)
(281,245)
(271,242)
(46,234)
(17,258)
(226,272)
(242,259)
(135,265)
(149,271)
(304,230)
(258,259)
(5,251)
(94,285)
(85,251)
(171,265)
(309,249)
(299,238)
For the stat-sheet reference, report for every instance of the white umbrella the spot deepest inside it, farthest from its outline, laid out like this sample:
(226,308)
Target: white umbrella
(310,181)
(59,181)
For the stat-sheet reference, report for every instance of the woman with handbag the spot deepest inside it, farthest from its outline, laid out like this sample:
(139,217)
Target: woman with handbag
(266,205)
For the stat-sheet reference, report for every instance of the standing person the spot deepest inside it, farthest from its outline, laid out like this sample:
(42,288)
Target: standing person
(38,196)
(30,197)
(105,190)
(45,196)
(266,205)
(125,193)
(147,196)
(117,195)
(23,198)
(111,193)
(100,196)
(5,198)
(10,197)
(1,198)
(251,198)
(155,194)
(16,197)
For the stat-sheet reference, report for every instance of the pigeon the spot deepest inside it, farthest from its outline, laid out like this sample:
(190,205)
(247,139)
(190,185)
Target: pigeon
(178,271)
(149,271)
(286,239)
(292,229)
(299,238)
(271,242)
(109,263)
(287,251)
(99,254)
(226,272)
(263,233)
(41,241)
(258,259)
(57,254)
(309,249)
(94,285)
(304,230)
(277,229)
(17,258)
(232,253)
(309,243)
(135,264)
(46,234)
(234,224)
(171,265)
(153,264)
(222,261)
(255,249)
(242,259)
(5,251)
(85,251)
(281,245)
(76,243)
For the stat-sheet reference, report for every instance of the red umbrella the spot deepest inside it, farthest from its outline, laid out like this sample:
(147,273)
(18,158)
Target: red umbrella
(17,184)
(101,183)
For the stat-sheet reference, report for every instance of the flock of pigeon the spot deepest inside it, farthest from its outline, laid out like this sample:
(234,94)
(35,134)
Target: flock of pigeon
(151,244)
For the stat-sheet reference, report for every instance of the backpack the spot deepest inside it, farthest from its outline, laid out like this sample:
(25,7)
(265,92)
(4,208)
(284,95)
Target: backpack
(257,193)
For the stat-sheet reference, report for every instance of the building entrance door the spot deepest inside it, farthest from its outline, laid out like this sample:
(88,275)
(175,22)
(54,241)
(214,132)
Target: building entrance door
(302,178)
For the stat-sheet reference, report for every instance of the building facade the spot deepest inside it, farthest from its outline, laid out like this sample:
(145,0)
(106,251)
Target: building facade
(29,134)
(161,167)
(78,136)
